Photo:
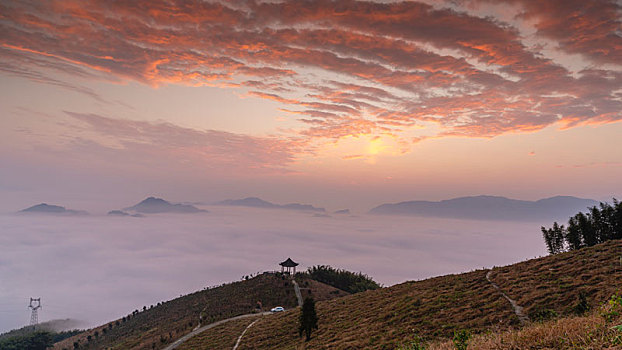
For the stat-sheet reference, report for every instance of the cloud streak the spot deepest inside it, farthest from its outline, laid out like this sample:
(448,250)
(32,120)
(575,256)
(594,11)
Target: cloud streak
(344,68)
(208,150)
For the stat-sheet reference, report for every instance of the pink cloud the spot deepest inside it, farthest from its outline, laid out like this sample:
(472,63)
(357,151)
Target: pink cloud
(391,65)
(168,145)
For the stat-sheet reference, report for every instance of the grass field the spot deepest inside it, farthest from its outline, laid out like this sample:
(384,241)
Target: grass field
(550,289)
(220,337)
(156,327)
(433,309)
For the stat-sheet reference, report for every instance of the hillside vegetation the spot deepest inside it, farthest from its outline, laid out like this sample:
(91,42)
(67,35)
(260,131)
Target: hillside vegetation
(434,308)
(41,336)
(350,282)
(156,326)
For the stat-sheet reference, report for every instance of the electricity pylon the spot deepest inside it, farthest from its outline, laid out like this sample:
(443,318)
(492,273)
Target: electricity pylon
(35,305)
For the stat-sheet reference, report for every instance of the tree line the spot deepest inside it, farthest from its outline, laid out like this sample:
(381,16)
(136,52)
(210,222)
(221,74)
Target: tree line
(599,224)
(34,340)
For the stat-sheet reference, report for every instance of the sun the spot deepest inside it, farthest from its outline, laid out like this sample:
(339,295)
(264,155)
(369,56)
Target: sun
(376,145)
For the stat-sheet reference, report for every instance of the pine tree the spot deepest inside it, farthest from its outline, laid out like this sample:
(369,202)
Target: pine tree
(308,318)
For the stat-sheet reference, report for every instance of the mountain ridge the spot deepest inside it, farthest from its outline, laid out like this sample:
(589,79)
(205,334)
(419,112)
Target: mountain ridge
(44,208)
(485,207)
(154,205)
(255,202)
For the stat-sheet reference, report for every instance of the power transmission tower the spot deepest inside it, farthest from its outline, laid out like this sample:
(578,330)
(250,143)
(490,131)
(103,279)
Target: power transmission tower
(35,305)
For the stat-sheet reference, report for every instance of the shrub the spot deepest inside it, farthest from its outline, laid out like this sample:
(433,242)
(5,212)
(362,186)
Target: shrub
(582,306)
(613,308)
(541,314)
(415,344)
(461,339)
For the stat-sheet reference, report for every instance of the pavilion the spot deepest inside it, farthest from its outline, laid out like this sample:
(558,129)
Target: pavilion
(288,265)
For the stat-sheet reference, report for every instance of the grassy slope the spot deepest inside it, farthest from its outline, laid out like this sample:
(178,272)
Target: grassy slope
(219,337)
(592,331)
(433,308)
(554,282)
(164,323)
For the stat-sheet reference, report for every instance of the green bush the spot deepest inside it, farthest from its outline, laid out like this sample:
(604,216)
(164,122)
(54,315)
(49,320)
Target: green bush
(461,339)
(613,308)
(415,344)
(582,306)
(541,314)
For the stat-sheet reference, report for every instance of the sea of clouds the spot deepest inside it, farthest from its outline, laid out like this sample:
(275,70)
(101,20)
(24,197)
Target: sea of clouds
(99,268)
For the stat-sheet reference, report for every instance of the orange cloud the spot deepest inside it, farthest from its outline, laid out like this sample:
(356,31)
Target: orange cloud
(344,68)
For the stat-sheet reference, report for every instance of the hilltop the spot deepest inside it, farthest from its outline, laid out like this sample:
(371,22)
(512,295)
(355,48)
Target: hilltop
(156,326)
(153,205)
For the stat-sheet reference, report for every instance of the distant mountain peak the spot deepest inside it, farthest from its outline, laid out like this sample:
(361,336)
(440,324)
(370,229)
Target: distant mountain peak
(153,200)
(44,208)
(154,205)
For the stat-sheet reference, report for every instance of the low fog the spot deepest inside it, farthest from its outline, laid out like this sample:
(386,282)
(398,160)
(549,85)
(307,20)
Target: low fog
(99,268)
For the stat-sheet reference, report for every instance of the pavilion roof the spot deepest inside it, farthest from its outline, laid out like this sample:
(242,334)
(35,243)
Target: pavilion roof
(289,263)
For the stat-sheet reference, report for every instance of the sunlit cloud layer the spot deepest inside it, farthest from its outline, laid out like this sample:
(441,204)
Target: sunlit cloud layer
(407,70)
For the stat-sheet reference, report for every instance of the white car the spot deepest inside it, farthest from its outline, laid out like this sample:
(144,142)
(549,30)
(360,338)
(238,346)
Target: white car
(277,309)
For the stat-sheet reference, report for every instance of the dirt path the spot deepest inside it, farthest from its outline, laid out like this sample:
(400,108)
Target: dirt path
(237,343)
(518,310)
(179,341)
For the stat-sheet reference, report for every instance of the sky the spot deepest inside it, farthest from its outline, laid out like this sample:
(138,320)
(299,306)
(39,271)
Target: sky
(338,103)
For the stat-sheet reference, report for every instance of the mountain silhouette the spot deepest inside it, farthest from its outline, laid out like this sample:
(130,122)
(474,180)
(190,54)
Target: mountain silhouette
(45,208)
(255,202)
(153,205)
(490,208)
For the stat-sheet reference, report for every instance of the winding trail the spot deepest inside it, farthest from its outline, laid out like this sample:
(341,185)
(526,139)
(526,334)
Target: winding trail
(198,329)
(179,341)
(518,310)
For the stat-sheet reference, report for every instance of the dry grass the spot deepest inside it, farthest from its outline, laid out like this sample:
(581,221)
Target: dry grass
(219,337)
(158,326)
(555,282)
(383,318)
(434,308)
(576,332)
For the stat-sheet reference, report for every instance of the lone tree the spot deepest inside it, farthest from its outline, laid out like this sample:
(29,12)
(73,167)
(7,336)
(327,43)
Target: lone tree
(308,318)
